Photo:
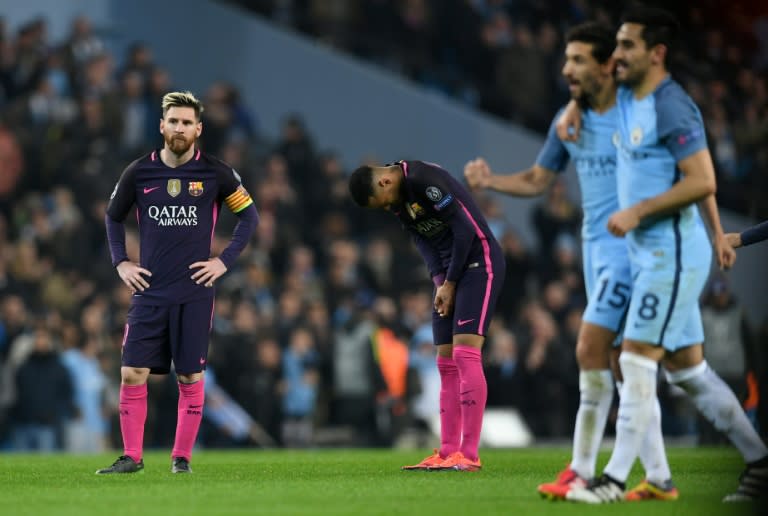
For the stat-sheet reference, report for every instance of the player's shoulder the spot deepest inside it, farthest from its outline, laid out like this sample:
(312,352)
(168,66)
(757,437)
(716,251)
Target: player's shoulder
(670,95)
(213,162)
(416,169)
(553,123)
(140,163)
(218,165)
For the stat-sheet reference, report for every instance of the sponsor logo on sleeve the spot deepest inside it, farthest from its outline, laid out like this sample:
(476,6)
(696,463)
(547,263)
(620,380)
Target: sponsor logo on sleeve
(445,202)
(636,136)
(693,135)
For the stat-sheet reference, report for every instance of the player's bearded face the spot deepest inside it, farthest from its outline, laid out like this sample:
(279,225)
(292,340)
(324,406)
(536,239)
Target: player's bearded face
(632,57)
(580,71)
(178,143)
(180,128)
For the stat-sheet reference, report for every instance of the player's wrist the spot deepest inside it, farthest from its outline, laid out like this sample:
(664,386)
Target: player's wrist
(641,209)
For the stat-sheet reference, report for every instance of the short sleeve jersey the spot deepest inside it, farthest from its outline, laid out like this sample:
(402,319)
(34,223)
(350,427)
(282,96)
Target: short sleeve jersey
(177,209)
(594,157)
(656,132)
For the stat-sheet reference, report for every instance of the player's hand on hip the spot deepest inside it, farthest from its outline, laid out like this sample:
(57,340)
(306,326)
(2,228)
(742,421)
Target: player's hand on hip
(622,222)
(477,173)
(444,298)
(133,276)
(724,252)
(208,271)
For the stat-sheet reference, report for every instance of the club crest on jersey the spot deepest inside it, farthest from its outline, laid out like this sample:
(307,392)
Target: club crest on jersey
(636,136)
(195,188)
(434,194)
(414,210)
(174,187)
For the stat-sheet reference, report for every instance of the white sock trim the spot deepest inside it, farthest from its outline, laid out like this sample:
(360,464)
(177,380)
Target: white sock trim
(685,374)
(639,360)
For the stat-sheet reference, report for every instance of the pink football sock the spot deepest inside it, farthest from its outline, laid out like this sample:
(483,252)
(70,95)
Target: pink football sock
(473,393)
(450,410)
(133,414)
(191,399)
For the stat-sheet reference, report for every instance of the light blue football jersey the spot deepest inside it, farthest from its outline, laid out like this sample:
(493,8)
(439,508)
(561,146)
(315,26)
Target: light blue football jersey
(594,157)
(654,133)
(607,274)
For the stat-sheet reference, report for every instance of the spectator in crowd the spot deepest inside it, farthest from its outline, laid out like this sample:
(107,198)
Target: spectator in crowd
(301,382)
(86,431)
(44,396)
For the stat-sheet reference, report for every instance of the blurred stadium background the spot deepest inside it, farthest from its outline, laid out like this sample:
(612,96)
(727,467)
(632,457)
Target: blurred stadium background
(321,333)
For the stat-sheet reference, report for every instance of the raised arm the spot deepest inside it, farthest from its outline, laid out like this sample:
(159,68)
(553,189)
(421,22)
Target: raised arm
(527,183)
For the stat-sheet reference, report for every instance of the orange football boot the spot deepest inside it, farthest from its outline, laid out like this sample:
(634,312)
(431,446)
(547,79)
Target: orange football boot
(646,490)
(559,488)
(458,462)
(429,462)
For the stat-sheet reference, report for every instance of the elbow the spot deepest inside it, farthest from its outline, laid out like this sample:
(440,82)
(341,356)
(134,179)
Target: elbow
(710,187)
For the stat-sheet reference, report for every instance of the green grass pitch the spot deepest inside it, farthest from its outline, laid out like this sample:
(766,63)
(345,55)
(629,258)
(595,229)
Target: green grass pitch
(340,482)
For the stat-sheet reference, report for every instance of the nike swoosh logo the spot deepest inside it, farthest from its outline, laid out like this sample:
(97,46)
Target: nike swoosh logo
(466,392)
(147,190)
(465,321)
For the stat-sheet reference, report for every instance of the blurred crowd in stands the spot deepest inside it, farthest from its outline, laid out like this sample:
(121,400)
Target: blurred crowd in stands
(505,56)
(322,330)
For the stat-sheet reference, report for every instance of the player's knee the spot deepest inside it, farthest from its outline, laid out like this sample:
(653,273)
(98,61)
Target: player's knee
(591,352)
(190,377)
(134,375)
(473,341)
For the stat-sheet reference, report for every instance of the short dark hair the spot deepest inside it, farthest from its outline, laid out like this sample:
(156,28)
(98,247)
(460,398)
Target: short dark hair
(601,36)
(660,27)
(361,185)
